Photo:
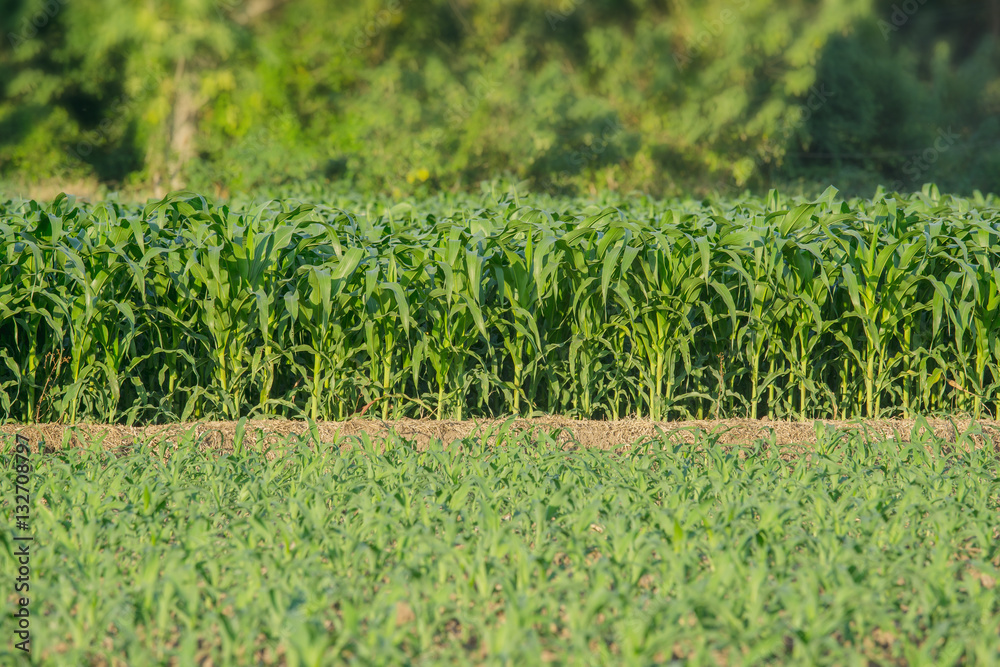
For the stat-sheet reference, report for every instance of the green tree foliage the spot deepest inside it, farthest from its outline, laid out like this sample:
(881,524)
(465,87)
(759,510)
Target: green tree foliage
(404,95)
(914,93)
(113,89)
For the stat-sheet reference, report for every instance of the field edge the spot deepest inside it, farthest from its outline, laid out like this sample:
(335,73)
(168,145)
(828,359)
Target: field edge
(591,434)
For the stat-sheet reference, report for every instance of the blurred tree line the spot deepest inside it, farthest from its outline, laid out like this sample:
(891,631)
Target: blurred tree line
(666,96)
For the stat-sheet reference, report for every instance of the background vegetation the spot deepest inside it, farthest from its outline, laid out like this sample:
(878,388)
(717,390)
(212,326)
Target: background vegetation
(402,96)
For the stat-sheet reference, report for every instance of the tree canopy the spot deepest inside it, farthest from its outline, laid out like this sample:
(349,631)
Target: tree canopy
(400,95)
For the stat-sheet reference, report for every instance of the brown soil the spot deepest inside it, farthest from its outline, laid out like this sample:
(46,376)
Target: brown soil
(573,433)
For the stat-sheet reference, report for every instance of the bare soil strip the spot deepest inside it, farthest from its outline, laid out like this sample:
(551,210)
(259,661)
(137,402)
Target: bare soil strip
(219,435)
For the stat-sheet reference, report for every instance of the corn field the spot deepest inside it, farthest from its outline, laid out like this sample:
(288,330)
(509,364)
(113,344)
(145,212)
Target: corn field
(504,548)
(464,307)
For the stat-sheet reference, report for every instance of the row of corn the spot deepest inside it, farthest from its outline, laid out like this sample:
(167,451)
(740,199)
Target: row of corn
(466,307)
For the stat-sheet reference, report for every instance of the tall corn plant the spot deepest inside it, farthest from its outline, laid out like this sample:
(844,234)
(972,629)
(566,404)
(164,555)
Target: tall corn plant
(801,289)
(324,303)
(665,299)
(964,307)
(81,276)
(986,319)
(453,309)
(265,261)
(807,287)
(754,336)
(880,267)
(588,262)
(387,324)
(185,309)
(212,242)
(525,266)
(29,309)
(103,328)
